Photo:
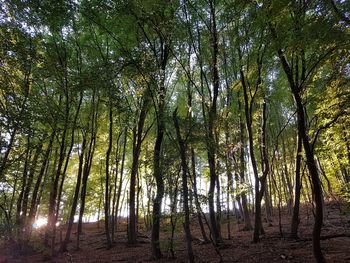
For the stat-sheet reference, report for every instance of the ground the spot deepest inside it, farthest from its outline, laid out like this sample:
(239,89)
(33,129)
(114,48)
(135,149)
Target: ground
(272,248)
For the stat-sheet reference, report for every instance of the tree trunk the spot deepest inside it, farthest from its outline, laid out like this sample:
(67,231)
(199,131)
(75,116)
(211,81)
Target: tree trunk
(157,168)
(26,81)
(34,201)
(185,173)
(117,160)
(247,221)
(19,212)
(51,224)
(29,183)
(302,132)
(137,142)
(211,147)
(107,196)
(68,155)
(157,202)
(92,129)
(295,217)
(260,182)
(195,192)
(311,164)
(121,178)
(66,240)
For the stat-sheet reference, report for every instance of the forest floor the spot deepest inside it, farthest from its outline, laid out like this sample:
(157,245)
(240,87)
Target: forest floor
(272,248)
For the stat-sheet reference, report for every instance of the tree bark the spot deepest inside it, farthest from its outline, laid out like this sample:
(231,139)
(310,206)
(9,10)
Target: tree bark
(311,164)
(66,240)
(121,178)
(211,147)
(157,170)
(19,211)
(34,200)
(107,195)
(295,217)
(30,182)
(185,173)
(260,182)
(247,221)
(310,161)
(137,142)
(92,129)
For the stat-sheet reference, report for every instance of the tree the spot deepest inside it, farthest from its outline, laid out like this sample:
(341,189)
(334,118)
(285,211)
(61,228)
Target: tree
(298,76)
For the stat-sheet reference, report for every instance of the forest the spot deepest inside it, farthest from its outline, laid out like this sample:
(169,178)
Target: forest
(174,130)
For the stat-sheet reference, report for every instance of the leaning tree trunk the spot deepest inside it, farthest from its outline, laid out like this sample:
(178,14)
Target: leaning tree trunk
(75,197)
(196,198)
(16,127)
(296,86)
(311,164)
(65,167)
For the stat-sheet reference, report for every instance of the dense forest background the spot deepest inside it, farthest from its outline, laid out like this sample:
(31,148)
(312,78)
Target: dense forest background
(169,110)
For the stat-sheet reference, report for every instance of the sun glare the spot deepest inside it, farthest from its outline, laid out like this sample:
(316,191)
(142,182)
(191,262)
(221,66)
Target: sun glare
(41,221)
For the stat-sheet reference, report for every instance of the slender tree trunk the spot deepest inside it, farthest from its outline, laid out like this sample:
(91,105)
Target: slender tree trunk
(107,196)
(26,81)
(101,197)
(247,221)
(51,225)
(4,160)
(211,147)
(302,132)
(195,192)
(19,211)
(173,196)
(260,182)
(229,188)
(218,203)
(295,217)
(185,173)
(288,179)
(66,240)
(137,142)
(117,160)
(92,129)
(157,202)
(30,182)
(157,168)
(311,164)
(268,208)
(121,178)
(34,201)
(64,171)
(138,201)
(85,176)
